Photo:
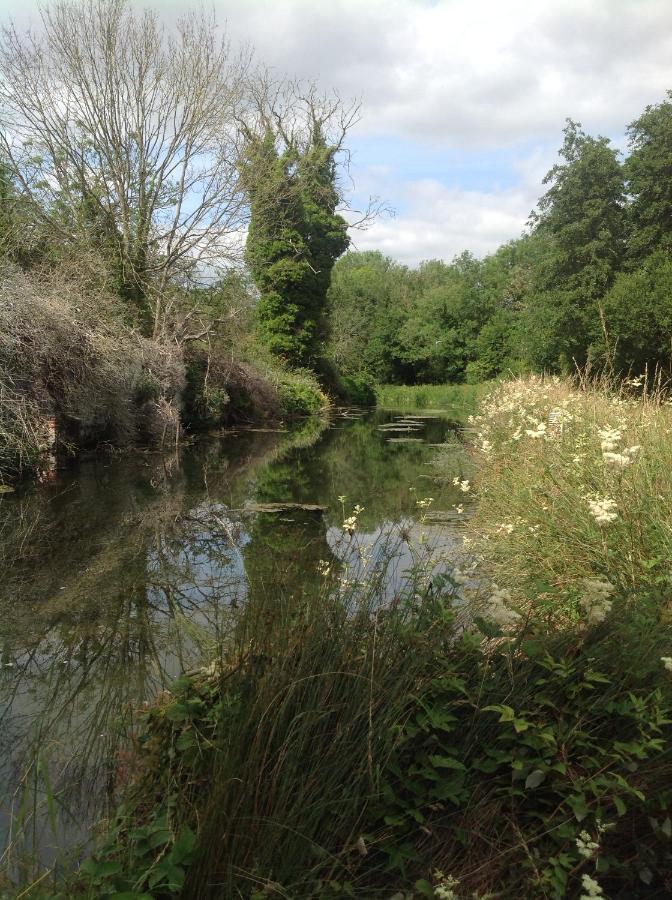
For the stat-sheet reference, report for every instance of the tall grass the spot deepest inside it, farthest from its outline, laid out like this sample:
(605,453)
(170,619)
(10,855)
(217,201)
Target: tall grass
(586,495)
(274,756)
(407,398)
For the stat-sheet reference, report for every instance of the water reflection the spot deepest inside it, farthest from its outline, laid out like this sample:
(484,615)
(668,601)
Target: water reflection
(125,572)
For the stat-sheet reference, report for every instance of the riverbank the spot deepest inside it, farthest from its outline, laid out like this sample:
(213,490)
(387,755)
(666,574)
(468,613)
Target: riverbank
(460,738)
(76,375)
(410,398)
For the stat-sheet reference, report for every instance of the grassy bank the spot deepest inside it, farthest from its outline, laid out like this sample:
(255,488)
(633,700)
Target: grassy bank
(574,487)
(407,398)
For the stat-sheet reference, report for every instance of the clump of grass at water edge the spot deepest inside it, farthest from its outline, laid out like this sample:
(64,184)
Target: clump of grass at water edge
(408,398)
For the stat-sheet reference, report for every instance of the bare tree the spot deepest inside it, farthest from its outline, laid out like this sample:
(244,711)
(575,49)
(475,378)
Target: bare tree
(294,112)
(122,133)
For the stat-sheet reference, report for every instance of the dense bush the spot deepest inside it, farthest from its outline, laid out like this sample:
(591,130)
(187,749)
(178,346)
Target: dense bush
(65,355)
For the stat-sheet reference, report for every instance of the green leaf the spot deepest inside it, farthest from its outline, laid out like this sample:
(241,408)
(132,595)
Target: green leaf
(620,805)
(177,712)
(163,836)
(506,712)
(447,762)
(186,740)
(535,778)
(424,887)
(184,846)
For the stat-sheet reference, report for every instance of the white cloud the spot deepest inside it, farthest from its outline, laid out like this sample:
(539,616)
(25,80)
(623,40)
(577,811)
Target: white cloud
(442,222)
(460,76)
(471,72)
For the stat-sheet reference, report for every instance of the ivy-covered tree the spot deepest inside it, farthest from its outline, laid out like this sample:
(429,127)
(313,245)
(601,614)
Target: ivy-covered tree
(289,171)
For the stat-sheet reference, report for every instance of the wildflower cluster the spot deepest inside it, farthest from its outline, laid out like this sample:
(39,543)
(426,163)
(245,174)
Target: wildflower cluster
(350,522)
(595,601)
(444,889)
(610,439)
(603,510)
(591,887)
(497,609)
(586,846)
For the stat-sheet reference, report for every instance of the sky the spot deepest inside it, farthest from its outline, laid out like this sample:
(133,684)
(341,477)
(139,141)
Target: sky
(463,102)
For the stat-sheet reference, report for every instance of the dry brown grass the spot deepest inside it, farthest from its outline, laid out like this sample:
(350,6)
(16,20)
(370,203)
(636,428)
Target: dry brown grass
(66,354)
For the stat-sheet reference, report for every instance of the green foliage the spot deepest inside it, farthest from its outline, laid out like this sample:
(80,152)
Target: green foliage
(300,396)
(581,216)
(543,302)
(368,305)
(554,740)
(204,402)
(458,399)
(294,239)
(648,170)
(638,317)
(395,325)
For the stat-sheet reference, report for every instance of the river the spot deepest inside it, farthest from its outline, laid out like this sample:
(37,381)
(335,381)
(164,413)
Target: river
(121,572)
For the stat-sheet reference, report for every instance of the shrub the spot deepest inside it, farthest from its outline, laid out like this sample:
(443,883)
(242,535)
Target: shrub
(65,355)
(300,396)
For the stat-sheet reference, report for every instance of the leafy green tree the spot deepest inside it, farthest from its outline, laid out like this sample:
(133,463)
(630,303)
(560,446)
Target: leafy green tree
(368,306)
(581,216)
(638,317)
(648,171)
(495,349)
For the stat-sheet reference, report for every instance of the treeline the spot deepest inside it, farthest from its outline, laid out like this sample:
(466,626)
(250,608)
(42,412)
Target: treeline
(589,283)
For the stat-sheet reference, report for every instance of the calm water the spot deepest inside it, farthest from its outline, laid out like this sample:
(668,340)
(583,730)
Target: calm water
(123,572)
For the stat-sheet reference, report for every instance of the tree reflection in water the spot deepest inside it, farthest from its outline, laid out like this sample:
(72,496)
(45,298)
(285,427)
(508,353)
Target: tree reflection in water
(127,571)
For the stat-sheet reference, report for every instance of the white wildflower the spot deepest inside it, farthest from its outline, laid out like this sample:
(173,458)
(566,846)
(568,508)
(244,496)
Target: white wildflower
(498,611)
(425,502)
(617,460)
(586,846)
(350,523)
(667,663)
(539,431)
(459,509)
(595,601)
(465,487)
(505,528)
(591,887)
(603,510)
(610,438)
(445,889)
